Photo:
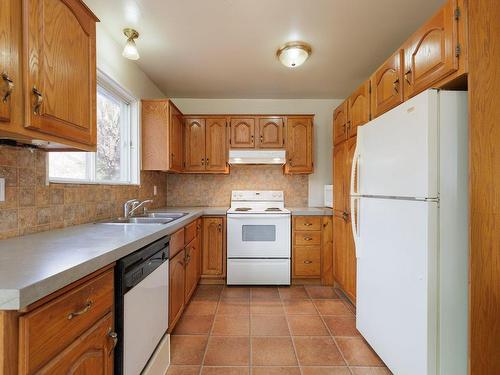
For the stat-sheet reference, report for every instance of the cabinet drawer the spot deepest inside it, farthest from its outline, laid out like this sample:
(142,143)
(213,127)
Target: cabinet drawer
(307,223)
(190,232)
(307,238)
(49,329)
(306,262)
(176,242)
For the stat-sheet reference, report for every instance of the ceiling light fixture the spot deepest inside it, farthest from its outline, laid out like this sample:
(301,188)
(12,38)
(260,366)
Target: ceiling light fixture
(294,54)
(130,49)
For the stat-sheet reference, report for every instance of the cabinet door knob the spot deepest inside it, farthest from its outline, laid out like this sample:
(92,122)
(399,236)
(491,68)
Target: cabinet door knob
(114,337)
(307,261)
(9,86)
(395,86)
(38,101)
(307,224)
(407,75)
(207,162)
(308,238)
(219,227)
(202,161)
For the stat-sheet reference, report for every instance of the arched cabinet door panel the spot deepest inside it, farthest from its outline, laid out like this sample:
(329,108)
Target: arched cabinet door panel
(270,132)
(358,111)
(216,145)
(387,85)
(242,132)
(60,68)
(431,53)
(340,123)
(195,145)
(299,145)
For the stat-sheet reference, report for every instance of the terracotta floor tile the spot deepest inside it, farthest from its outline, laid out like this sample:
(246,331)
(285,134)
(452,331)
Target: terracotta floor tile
(332,307)
(234,306)
(187,350)
(236,292)
(275,370)
(194,325)
(231,325)
(274,307)
(227,351)
(208,292)
(371,371)
(321,292)
(317,351)
(337,370)
(183,370)
(199,307)
(299,306)
(264,293)
(342,325)
(273,351)
(225,370)
(307,325)
(357,352)
(269,325)
(293,292)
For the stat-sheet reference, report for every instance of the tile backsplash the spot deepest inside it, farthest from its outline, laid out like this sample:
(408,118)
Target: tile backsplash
(215,190)
(32,206)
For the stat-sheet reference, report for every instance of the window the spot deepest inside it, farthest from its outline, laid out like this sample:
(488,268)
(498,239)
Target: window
(116,159)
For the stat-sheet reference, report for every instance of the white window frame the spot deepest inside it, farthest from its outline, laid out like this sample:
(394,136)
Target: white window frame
(130,167)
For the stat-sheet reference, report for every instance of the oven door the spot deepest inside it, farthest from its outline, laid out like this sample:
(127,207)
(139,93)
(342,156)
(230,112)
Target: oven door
(258,236)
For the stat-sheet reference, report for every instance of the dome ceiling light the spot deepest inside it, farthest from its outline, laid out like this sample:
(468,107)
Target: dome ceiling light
(294,54)
(130,49)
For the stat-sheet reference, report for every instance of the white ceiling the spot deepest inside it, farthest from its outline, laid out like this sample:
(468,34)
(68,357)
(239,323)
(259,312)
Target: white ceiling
(226,48)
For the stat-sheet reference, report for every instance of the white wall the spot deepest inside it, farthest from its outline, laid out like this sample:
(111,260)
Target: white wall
(321,108)
(126,72)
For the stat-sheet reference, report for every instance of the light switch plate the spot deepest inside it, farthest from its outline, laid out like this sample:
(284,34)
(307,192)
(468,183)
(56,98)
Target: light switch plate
(2,189)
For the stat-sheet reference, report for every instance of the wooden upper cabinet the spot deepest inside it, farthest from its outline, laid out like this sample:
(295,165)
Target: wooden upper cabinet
(270,132)
(195,145)
(213,247)
(7,52)
(340,123)
(176,130)
(60,68)
(299,145)
(216,145)
(358,111)
(162,136)
(242,132)
(431,52)
(387,85)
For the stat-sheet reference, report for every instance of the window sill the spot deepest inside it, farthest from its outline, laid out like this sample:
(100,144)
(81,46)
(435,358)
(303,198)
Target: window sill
(78,182)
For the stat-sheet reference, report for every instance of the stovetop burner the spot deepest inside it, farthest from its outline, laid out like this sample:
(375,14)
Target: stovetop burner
(243,209)
(273,209)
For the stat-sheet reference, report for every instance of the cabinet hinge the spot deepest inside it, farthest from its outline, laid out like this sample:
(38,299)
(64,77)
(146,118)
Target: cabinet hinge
(457,13)
(458,50)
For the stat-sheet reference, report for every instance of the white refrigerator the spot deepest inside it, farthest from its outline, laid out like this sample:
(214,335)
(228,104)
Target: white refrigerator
(409,207)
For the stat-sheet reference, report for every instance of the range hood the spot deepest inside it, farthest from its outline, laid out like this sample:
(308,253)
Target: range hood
(257,157)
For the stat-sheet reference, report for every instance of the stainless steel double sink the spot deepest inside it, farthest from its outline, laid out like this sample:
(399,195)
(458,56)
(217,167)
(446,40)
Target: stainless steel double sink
(150,218)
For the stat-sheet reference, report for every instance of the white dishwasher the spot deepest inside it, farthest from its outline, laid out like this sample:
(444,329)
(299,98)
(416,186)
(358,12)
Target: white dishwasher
(141,306)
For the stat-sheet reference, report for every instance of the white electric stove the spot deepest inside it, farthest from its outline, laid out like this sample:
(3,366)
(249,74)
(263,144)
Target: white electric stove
(258,239)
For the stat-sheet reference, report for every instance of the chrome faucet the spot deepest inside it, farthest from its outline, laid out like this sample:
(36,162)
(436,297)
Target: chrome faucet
(132,205)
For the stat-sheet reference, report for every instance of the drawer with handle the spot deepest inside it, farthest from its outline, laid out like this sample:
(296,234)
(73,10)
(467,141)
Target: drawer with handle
(50,328)
(307,238)
(306,262)
(307,223)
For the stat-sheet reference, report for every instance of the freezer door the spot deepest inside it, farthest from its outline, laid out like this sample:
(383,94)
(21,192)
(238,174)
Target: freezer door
(396,307)
(397,153)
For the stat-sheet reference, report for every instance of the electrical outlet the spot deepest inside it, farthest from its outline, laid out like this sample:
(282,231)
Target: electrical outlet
(155,190)
(2,189)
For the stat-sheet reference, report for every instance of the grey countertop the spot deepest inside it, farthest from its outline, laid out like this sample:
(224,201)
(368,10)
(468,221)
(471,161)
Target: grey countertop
(36,265)
(33,266)
(310,211)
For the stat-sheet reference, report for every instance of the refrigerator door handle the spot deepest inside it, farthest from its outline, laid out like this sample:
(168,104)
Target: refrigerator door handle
(355,224)
(355,171)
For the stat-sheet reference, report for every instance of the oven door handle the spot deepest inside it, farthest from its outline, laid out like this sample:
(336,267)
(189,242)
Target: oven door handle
(253,216)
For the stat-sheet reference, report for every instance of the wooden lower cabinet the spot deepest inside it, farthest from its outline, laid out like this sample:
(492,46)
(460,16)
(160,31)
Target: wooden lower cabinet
(89,354)
(177,288)
(191,265)
(312,248)
(213,254)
